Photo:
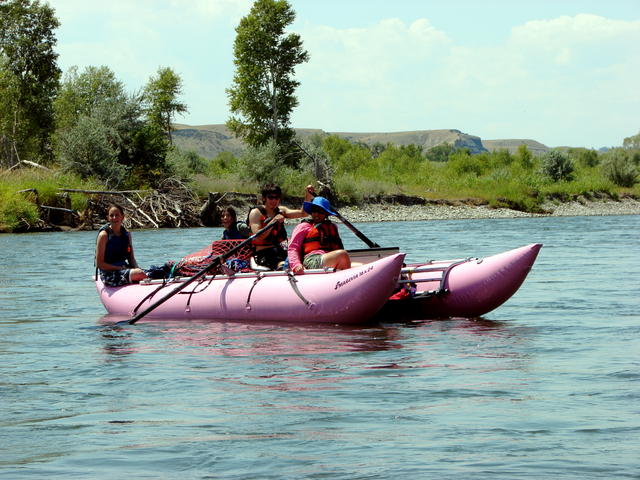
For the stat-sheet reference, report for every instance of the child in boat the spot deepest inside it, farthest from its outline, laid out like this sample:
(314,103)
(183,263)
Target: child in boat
(115,260)
(315,243)
(233,229)
(269,251)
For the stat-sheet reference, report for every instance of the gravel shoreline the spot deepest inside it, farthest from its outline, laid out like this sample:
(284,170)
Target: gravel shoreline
(399,213)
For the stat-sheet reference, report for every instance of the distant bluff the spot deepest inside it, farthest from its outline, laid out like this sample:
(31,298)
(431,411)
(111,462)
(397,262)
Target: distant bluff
(210,140)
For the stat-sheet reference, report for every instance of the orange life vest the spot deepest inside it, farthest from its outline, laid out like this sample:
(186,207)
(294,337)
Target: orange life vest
(275,236)
(321,236)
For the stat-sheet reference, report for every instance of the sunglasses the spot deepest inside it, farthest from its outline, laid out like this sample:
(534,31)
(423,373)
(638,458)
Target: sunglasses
(273,197)
(318,210)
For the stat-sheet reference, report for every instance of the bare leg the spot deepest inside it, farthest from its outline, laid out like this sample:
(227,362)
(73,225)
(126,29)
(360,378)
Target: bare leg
(136,275)
(338,259)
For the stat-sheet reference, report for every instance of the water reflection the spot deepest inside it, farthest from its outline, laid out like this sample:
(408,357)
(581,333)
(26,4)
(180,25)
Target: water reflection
(252,339)
(476,325)
(117,341)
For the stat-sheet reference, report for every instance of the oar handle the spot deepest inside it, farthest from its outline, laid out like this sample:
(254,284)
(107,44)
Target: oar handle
(370,243)
(357,232)
(216,261)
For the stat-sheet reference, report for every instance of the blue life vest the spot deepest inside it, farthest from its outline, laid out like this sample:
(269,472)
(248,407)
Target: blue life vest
(118,248)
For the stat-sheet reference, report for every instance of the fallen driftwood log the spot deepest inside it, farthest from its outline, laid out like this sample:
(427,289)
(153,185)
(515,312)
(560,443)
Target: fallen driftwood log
(211,210)
(172,204)
(29,163)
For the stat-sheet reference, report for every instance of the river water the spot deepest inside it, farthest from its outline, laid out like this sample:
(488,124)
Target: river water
(546,386)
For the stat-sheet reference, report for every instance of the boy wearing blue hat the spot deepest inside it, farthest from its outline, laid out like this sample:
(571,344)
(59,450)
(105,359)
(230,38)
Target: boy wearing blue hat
(315,242)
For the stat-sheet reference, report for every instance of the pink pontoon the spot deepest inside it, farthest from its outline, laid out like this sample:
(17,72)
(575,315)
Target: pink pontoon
(345,297)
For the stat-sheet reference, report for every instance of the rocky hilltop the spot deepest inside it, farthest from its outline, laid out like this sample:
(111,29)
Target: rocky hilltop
(425,138)
(210,140)
(207,140)
(512,145)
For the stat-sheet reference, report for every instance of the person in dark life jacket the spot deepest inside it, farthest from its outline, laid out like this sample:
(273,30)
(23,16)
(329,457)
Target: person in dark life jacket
(115,260)
(315,243)
(233,229)
(269,251)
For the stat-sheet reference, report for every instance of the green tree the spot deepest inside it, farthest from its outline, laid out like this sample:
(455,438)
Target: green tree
(632,142)
(262,96)
(29,69)
(524,156)
(263,164)
(440,153)
(186,163)
(90,149)
(461,162)
(557,166)
(9,127)
(81,93)
(103,133)
(619,167)
(584,157)
(161,99)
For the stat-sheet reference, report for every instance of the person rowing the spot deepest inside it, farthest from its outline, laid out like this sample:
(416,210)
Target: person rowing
(269,251)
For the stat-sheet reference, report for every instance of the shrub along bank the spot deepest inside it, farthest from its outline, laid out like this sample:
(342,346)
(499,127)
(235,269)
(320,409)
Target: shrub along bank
(358,174)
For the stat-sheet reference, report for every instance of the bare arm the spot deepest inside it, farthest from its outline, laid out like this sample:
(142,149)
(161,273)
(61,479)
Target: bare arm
(255,222)
(298,213)
(132,258)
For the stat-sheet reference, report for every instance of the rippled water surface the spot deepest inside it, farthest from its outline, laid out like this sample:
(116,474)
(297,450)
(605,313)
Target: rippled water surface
(546,386)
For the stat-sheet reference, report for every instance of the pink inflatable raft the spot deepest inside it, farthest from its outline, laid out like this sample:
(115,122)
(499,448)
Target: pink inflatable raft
(468,287)
(345,297)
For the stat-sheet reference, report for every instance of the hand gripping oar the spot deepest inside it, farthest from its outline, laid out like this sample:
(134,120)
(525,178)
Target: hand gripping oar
(347,223)
(214,263)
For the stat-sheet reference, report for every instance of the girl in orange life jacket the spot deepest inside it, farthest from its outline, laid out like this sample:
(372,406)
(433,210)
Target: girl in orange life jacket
(317,240)
(115,260)
(269,252)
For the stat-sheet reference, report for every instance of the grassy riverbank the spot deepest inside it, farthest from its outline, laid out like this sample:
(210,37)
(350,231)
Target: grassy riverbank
(26,195)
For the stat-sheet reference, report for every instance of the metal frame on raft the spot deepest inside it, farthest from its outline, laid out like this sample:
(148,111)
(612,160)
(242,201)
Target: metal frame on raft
(444,266)
(364,255)
(445,269)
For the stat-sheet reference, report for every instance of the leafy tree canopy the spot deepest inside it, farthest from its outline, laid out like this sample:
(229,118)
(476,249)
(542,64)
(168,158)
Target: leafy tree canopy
(161,99)
(104,133)
(632,142)
(262,95)
(83,93)
(29,70)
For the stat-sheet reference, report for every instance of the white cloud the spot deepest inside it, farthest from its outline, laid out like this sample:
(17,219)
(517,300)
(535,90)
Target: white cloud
(544,81)
(547,80)
(135,38)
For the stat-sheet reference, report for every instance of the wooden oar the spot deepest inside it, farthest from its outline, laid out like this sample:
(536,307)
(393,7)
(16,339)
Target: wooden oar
(214,263)
(358,233)
(347,223)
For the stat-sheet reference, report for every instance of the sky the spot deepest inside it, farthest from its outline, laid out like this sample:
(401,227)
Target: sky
(561,72)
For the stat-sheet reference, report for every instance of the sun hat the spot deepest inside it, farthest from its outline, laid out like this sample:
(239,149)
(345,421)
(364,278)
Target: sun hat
(321,202)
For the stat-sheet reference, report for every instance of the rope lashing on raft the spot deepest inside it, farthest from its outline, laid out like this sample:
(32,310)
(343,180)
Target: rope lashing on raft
(259,276)
(293,282)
